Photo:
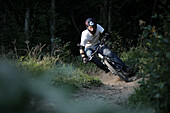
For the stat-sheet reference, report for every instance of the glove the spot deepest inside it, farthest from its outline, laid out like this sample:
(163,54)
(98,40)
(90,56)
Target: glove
(107,35)
(103,39)
(84,60)
(83,55)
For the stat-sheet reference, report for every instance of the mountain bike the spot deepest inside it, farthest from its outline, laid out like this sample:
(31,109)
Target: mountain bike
(114,67)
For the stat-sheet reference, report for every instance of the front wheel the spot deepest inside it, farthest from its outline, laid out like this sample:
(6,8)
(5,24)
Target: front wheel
(119,73)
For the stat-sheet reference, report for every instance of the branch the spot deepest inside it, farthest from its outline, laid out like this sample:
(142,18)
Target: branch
(153,11)
(74,22)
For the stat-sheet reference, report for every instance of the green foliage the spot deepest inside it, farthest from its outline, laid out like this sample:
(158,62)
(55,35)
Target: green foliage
(139,58)
(116,42)
(36,63)
(62,51)
(87,68)
(63,75)
(152,59)
(39,26)
(36,66)
(68,76)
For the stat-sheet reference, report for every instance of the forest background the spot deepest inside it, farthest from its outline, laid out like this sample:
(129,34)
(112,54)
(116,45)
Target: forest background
(48,31)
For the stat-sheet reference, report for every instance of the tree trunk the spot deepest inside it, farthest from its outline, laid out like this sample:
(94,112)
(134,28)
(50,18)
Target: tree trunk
(27,19)
(105,13)
(109,16)
(53,19)
(53,25)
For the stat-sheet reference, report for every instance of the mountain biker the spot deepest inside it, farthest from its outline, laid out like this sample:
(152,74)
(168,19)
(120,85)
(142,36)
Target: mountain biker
(90,40)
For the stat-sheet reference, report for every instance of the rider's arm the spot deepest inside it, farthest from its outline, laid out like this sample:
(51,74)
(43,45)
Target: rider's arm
(82,45)
(82,53)
(105,34)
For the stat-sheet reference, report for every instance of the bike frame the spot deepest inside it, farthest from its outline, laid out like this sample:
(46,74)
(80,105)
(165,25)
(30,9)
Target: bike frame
(110,64)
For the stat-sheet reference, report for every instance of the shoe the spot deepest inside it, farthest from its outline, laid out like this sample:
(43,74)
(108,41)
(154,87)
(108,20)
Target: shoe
(107,70)
(127,69)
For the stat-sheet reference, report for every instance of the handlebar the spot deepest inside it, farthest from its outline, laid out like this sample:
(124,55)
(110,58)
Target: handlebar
(92,55)
(102,43)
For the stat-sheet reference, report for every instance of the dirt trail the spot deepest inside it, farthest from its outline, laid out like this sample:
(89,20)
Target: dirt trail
(113,93)
(114,90)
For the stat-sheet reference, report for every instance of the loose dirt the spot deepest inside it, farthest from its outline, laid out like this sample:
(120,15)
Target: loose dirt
(114,90)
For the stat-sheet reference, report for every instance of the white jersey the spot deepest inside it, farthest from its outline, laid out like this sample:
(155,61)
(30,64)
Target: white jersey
(89,40)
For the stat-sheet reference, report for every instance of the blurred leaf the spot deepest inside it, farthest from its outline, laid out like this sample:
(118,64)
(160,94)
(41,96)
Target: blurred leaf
(145,34)
(165,40)
(168,55)
(161,85)
(154,33)
(161,16)
(155,16)
(157,95)
(149,27)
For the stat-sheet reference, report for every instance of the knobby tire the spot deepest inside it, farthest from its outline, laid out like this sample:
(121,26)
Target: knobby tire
(114,71)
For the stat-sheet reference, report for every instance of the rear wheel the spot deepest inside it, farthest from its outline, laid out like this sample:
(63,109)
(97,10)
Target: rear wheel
(114,71)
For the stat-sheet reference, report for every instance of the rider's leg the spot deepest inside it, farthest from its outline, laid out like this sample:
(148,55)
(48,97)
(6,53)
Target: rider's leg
(96,61)
(107,52)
